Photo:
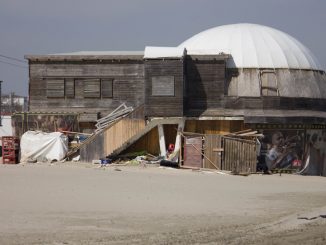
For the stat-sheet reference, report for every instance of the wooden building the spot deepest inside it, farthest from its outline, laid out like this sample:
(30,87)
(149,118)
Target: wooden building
(214,83)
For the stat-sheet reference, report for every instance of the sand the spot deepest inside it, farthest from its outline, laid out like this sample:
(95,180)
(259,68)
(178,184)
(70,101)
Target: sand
(79,203)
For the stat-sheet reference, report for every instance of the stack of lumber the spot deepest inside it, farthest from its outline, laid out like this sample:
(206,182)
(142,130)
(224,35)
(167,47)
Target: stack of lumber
(245,134)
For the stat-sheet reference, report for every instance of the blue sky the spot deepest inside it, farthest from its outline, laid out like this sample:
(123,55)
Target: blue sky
(47,26)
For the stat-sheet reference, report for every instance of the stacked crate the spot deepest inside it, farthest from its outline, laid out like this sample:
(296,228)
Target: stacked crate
(10,149)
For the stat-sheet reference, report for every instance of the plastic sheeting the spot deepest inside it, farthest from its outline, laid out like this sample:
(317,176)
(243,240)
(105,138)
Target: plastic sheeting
(43,147)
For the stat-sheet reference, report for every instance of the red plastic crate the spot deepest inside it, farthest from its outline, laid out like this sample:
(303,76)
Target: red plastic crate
(10,150)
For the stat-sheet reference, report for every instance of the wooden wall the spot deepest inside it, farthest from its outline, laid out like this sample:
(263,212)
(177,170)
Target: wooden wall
(202,87)
(213,151)
(127,83)
(205,82)
(214,126)
(122,131)
(114,136)
(239,155)
(149,142)
(163,105)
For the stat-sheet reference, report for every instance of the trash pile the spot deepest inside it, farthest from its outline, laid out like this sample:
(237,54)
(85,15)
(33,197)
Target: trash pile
(130,159)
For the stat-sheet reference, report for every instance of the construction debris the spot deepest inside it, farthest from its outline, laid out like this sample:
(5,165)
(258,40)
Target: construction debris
(102,123)
(245,133)
(120,112)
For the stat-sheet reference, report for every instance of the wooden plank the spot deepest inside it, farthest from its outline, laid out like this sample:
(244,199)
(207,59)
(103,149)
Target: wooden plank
(178,138)
(212,142)
(88,117)
(92,88)
(218,149)
(161,140)
(106,88)
(55,88)
(239,155)
(160,98)
(163,86)
(70,88)
(131,89)
(83,69)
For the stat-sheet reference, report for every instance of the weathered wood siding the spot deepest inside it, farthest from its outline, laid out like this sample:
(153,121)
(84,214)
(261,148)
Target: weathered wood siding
(165,102)
(149,142)
(214,126)
(93,150)
(114,136)
(239,155)
(83,89)
(212,151)
(193,86)
(205,83)
(122,131)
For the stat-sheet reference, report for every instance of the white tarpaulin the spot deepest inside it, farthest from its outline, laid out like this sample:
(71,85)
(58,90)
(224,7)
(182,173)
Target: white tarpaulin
(43,147)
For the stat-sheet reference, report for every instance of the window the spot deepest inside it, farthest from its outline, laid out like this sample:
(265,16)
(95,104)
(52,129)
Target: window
(70,88)
(107,88)
(163,86)
(92,88)
(268,83)
(55,88)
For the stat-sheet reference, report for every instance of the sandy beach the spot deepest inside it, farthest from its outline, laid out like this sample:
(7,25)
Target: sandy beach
(79,203)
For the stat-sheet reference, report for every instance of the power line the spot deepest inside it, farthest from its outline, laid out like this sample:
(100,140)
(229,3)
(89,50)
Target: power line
(8,63)
(12,58)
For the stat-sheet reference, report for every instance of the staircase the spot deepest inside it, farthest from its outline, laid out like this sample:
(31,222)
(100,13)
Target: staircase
(119,135)
(152,124)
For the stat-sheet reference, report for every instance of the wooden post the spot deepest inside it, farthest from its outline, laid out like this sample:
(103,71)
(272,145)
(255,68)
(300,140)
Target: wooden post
(177,144)
(162,140)
(178,139)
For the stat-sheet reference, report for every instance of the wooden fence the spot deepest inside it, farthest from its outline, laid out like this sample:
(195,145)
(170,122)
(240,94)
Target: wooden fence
(239,155)
(213,151)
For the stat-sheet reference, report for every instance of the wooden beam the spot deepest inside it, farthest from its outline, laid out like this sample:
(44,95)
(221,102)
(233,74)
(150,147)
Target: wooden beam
(71,132)
(218,149)
(162,140)
(205,156)
(178,138)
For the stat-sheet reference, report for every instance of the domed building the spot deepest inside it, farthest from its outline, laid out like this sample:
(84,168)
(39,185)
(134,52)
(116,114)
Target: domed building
(263,61)
(244,78)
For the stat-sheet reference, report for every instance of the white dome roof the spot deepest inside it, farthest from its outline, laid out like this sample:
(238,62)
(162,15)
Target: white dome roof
(253,46)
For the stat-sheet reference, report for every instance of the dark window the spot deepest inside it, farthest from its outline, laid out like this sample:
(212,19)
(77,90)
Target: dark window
(55,88)
(92,88)
(107,88)
(70,88)
(163,86)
